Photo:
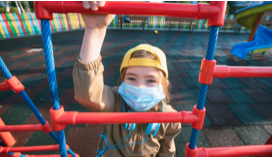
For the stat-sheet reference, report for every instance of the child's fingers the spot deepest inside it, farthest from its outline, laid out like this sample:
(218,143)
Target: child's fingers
(100,3)
(86,4)
(94,6)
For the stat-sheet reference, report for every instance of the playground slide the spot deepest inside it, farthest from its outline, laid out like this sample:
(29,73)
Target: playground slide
(249,15)
(262,41)
(263,37)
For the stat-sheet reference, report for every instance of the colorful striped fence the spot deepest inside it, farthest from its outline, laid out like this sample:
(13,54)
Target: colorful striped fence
(25,24)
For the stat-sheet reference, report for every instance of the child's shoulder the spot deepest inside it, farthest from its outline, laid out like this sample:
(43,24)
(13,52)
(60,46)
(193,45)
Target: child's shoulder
(111,89)
(114,88)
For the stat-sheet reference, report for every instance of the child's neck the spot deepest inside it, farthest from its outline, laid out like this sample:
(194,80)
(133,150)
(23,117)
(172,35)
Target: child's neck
(156,108)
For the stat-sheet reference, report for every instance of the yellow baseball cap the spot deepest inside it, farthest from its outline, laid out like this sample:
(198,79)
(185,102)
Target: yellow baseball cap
(159,63)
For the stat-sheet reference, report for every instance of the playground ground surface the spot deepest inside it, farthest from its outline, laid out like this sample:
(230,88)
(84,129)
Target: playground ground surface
(238,109)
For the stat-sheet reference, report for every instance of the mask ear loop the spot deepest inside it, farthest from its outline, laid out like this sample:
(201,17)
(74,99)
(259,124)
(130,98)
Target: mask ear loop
(158,126)
(124,106)
(129,126)
(125,125)
(114,147)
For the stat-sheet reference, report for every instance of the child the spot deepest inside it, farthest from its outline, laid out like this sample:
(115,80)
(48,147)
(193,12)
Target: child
(143,88)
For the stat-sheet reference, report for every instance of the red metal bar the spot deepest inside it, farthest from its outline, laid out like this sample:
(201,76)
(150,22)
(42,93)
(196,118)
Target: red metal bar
(214,11)
(69,155)
(120,117)
(209,70)
(15,84)
(14,154)
(223,71)
(30,148)
(60,118)
(26,155)
(5,155)
(235,151)
(219,19)
(13,128)
(6,137)
(4,87)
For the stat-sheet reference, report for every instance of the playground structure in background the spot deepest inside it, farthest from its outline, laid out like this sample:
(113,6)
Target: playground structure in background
(214,12)
(26,24)
(260,38)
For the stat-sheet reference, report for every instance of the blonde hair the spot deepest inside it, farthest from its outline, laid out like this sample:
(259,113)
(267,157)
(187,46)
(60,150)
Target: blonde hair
(165,83)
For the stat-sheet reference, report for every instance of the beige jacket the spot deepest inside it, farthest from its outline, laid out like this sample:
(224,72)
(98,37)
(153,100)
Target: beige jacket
(91,93)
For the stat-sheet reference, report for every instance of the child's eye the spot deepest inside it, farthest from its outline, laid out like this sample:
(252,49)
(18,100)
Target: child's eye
(131,79)
(151,81)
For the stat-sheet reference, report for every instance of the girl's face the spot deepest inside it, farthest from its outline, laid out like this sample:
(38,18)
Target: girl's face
(142,76)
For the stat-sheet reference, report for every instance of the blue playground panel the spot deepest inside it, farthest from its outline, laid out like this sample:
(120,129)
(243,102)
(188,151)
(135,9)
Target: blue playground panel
(262,41)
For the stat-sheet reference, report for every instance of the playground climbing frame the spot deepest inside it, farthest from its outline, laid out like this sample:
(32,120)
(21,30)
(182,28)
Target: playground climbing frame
(214,12)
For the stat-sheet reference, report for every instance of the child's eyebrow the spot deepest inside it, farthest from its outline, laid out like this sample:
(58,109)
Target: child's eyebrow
(131,74)
(152,76)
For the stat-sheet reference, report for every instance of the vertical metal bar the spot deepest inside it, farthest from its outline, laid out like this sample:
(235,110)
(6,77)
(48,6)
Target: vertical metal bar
(203,88)
(51,74)
(212,42)
(31,105)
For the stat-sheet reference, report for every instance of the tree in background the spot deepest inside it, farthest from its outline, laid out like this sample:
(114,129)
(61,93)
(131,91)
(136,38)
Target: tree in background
(7,6)
(231,9)
(31,5)
(27,7)
(17,6)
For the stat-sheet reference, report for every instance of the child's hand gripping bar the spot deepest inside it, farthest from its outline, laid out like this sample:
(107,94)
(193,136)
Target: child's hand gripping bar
(215,11)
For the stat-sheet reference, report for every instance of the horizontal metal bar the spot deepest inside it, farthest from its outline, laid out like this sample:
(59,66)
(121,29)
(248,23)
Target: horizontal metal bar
(223,71)
(118,117)
(13,128)
(30,148)
(235,151)
(204,11)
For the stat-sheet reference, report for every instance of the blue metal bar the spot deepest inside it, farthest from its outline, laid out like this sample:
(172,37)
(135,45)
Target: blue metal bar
(52,134)
(50,65)
(203,87)
(51,74)
(4,69)
(40,118)
(212,42)
(71,152)
(31,105)
(11,154)
(202,96)
(22,155)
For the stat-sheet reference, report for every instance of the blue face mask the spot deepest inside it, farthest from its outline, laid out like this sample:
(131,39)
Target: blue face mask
(141,99)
